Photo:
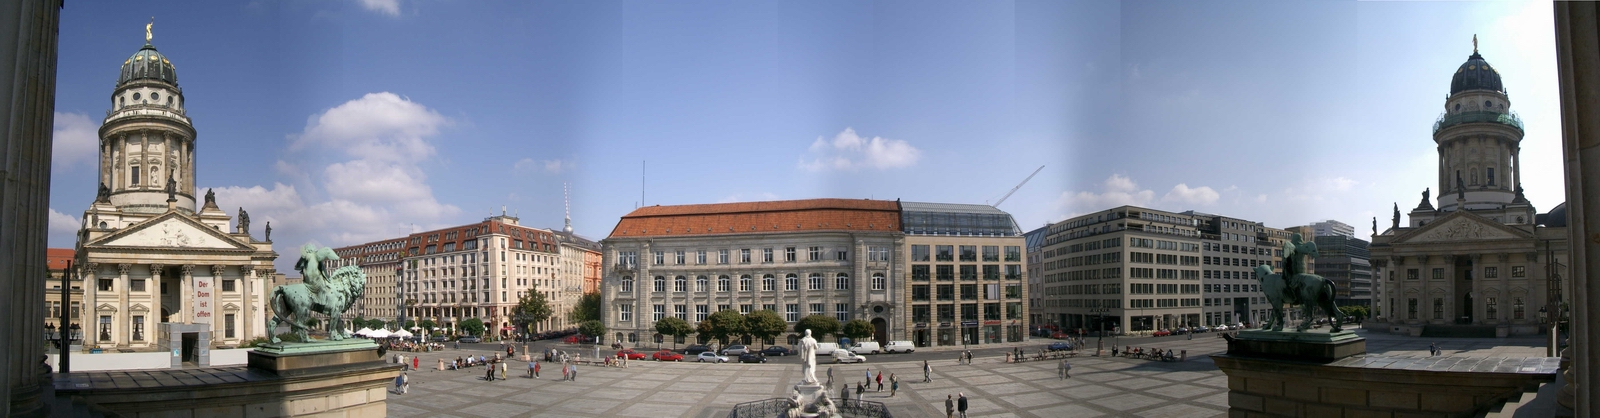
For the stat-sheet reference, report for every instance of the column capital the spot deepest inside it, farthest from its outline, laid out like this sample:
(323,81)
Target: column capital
(216,270)
(91,266)
(188,269)
(123,268)
(155,269)
(1505,257)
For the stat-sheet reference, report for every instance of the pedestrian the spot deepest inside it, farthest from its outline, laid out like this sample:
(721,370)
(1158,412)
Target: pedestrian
(564,371)
(503,370)
(488,373)
(927,372)
(1066,369)
(844,392)
(1433,349)
(399,381)
(1190,335)
(880,380)
(1113,351)
(405,383)
(531,365)
(574,372)
(869,376)
(961,404)
(894,384)
(830,376)
(416,363)
(860,389)
(949,406)
(536,366)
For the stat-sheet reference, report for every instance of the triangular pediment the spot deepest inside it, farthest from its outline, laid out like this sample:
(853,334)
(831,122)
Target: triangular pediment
(172,230)
(1460,226)
(138,308)
(105,307)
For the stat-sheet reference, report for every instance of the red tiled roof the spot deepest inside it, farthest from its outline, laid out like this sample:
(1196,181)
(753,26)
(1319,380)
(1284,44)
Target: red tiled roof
(761,217)
(56,258)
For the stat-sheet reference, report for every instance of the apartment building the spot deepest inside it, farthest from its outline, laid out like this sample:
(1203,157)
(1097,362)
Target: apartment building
(1126,269)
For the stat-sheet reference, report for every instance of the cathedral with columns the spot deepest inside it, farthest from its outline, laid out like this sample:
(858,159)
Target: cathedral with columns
(162,274)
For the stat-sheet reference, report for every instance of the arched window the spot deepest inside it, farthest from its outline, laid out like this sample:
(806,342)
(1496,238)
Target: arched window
(791,282)
(661,284)
(814,282)
(768,283)
(878,282)
(700,283)
(723,284)
(744,282)
(841,281)
(680,284)
(794,339)
(633,337)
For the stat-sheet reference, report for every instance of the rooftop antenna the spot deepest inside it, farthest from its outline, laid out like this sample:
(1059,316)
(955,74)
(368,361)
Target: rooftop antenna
(642,169)
(566,200)
(1019,186)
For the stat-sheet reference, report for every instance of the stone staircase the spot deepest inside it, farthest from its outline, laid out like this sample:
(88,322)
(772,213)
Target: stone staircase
(1536,402)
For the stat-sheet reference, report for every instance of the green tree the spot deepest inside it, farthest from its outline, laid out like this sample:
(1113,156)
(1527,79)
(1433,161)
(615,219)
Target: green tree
(764,324)
(592,329)
(587,309)
(1355,313)
(359,323)
(473,327)
(723,324)
(531,309)
(675,327)
(857,329)
(410,324)
(819,324)
(428,325)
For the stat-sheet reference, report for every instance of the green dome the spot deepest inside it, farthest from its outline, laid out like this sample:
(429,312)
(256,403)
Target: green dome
(148,64)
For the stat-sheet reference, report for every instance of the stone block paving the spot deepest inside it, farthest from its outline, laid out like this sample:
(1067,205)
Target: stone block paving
(1099,386)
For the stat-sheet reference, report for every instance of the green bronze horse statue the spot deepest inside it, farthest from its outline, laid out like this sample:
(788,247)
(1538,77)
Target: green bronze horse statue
(1310,291)
(320,292)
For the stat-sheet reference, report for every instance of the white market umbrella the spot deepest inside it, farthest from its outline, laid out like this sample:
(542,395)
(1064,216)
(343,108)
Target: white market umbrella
(381,333)
(402,334)
(363,331)
(416,328)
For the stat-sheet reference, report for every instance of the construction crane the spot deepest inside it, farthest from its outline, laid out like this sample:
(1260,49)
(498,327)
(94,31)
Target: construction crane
(1019,186)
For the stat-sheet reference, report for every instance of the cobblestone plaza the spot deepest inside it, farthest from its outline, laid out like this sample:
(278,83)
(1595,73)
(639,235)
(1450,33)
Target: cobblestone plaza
(1099,386)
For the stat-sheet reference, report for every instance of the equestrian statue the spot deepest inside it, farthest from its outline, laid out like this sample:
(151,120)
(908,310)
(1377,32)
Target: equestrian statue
(321,292)
(1295,287)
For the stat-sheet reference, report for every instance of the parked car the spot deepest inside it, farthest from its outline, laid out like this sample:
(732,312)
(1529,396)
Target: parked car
(1161,333)
(866,347)
(667,355)
(900,347)
(776,350)
(1060,335)
(578,339)
(845,356)
(712,356)
(752,358)
(630,354)
(1201,328)
(1059,346)
(470,339)
(734,350)
(1181,330)
(695,349)
(440,338)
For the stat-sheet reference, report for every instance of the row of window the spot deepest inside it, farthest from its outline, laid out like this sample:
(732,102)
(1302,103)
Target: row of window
(1087,246)
(968,292)
(841,311)
(136,327)
(967,252)
(1239,249)
(969,312)
(816,281)
(1162,303)
(1491,305)
(745,256)
(1488,272)
(945,272)
(137,285)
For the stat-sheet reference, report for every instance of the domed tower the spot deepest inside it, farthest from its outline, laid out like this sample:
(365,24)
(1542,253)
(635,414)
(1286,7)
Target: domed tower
(146,138)
(1478,141)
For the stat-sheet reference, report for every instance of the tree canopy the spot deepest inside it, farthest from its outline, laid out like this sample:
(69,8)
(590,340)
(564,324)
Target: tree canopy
(764,324)
(531,309)
(473,327)
(857,329)
(820,325)
(723,324)
(587,309)
(675,327)
(428,325)
(592,328)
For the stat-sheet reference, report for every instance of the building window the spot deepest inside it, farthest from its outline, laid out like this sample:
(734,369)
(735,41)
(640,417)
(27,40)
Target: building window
(138,327)
(791,282)
(680,284)
(991,311)
(841,255)
(681,311)
(700,283)
(678,256)
(969,253)
(878,281)
(1518,271)
(722,283)
(700,257)
(1491,272)
(744,309)
(627,284)
(136,285)
(920,273)
(877,254)
(1517,309)
(134,179)
(991,272)
(1013,253)
(841,311)
(841,282)
(969,292)
(919,292)
(945,252)
(1492,307)
(947,313)
(105,327)
(991,253)
(1490,176)
(818,309)
(1411,274)
(721,308)
(700,312)
(919,313)
(1438,274)
(722,256)
(766,255)
(104,285)
(945,272)
(659,312)
(625,313)
(969,272)
(791,312)
(661,284)
(1438,308)
(227,286)
(768,283)
(815,282)
(660,258)
(228,326)
(814,254)
(919,253)
(1411,308)
(789,255)
(947,292)
(744,283)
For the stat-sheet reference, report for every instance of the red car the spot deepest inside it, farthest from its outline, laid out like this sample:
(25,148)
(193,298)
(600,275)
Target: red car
(578,339)
(630,354)
(667,355)
(1162,333)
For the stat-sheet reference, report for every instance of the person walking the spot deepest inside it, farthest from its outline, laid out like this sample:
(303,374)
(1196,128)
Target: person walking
(927,372)
(860,390)
(1433,349)
(531,365)
(961,404)
(488,373)
(564,371)
(1066,369)
(844,392)
(880,380)
(399,381)
(830,376)
(503,369)
(894,384)
(574,372)
(949,406)
(416,363)
(405,383)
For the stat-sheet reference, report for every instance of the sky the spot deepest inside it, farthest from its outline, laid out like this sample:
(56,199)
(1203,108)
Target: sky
(354,121)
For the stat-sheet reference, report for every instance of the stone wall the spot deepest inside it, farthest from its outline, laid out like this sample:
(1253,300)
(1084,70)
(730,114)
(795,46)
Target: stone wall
(353,391)
(1378,386)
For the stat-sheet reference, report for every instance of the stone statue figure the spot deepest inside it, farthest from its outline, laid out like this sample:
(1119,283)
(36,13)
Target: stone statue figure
(104,195)
(322,292)
(1425,195)
(211,198)
(1519,192)
(269,231)
(808,359)
(172,188)
(1374,225)
(1461,187)
(1396,215)
(244,221)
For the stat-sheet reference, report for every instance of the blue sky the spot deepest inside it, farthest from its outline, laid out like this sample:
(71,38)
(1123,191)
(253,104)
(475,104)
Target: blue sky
(345,122)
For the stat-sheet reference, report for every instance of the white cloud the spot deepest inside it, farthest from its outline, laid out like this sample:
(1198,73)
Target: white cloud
(740,197)
(849,151)
(61,223)
(1117,190)
(75,138)
(386,7)
(557,166)
(378,126)
(1202,195)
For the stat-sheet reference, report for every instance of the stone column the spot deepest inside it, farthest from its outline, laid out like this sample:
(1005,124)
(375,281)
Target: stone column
(155,278)
(1578,65)
(216,291)
(91,287)
(186,295)
(91,315)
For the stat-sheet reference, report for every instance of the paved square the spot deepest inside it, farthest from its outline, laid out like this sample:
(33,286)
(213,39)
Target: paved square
(1099,386)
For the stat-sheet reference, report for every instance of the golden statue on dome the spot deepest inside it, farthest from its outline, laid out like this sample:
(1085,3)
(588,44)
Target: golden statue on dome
(147,26)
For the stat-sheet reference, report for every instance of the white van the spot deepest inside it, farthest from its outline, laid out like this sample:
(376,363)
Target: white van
(824,349)
(866,347)
(845,356)
(899,347)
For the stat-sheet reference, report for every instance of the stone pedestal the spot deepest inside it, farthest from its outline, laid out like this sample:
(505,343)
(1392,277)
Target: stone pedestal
(291,359)
(1299,346)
